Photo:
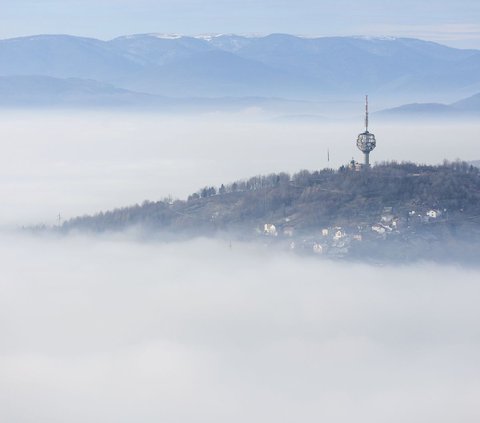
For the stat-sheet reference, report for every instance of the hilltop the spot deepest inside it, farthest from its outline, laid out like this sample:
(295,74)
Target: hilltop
(413,208)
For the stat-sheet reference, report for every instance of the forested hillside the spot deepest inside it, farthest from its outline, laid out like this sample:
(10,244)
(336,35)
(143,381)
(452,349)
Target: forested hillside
(306,200)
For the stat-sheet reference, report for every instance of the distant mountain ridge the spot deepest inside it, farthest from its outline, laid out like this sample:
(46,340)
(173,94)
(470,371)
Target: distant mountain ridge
(469,106)
(45,92)
(277,65)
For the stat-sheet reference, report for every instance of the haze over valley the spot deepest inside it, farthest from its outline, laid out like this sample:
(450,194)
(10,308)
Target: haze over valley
(167,328)
(112,329)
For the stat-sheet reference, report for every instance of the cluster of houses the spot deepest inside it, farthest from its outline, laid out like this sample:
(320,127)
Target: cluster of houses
(388,222)
(336,240)
(332,241)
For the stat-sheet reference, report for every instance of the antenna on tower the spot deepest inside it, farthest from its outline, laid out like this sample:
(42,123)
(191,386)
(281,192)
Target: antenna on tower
(366,113)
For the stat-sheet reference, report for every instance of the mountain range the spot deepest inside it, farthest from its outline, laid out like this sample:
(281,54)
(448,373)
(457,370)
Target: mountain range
(145,69)
(466,107)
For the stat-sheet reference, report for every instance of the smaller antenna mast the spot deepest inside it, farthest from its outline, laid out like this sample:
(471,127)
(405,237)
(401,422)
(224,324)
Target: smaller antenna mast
(366,113)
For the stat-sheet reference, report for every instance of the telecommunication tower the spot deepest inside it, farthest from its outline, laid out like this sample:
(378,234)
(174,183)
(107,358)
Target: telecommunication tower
(366,140)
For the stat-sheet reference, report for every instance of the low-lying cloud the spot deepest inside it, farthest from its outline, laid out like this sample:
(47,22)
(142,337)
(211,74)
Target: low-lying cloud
(111,329)
(115,330)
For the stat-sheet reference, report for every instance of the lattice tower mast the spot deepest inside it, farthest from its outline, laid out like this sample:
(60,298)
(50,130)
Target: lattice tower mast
(366,140)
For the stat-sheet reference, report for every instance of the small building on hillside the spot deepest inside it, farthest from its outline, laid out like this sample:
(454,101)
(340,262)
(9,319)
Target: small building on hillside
(339,233)
(433,214)
(355,166)
(387,216)
(379,229)
(270,229)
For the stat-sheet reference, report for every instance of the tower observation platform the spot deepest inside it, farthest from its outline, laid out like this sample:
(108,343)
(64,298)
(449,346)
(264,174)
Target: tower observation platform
(366,140)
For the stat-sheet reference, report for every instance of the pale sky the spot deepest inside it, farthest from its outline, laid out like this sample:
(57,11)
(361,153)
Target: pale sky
(456,23)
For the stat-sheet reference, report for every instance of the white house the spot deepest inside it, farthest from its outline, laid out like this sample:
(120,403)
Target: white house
(270,229)
(339,233)
(434,213)
(379,229)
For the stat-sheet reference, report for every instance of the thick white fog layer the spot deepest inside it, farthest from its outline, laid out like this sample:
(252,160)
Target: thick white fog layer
(114,330)
(79,163)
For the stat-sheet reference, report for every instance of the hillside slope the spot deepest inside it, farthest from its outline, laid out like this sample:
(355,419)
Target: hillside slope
(399,211)
(306,200)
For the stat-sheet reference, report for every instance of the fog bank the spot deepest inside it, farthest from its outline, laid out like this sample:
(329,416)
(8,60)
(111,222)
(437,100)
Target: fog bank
(114,330)
(111,329)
